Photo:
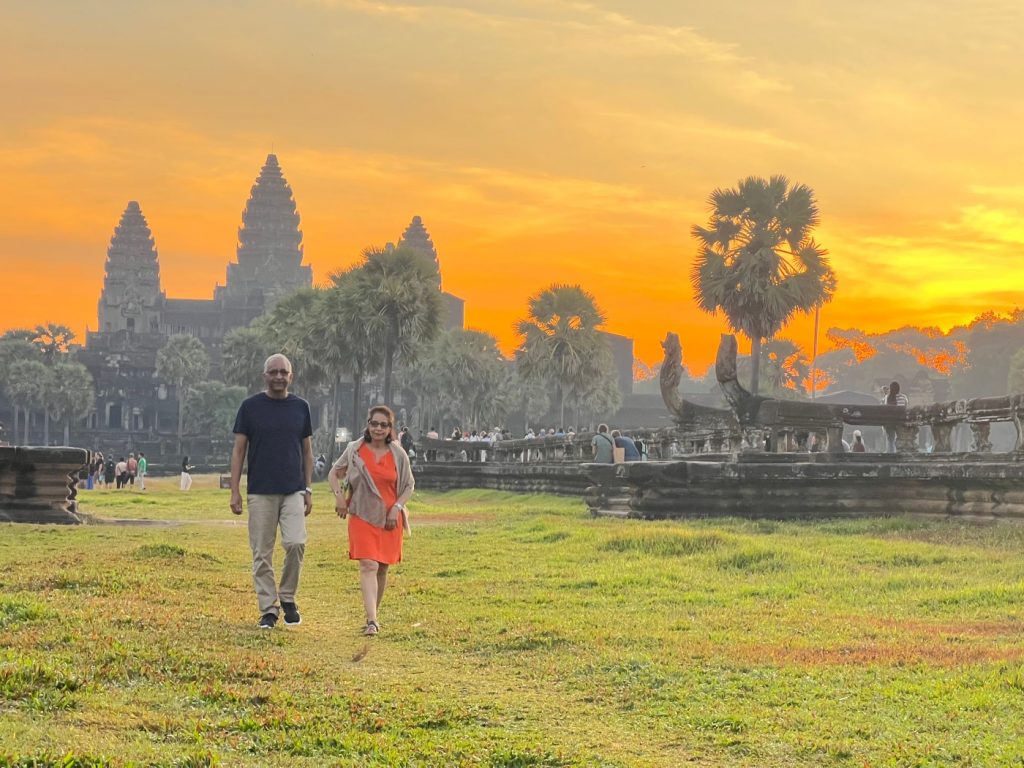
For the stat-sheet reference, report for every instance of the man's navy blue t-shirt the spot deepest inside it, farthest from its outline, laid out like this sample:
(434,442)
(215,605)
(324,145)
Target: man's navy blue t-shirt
(276,429)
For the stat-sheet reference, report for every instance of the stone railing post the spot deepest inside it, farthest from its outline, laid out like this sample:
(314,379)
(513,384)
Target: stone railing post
(942,438)
(980,430)
(906,439)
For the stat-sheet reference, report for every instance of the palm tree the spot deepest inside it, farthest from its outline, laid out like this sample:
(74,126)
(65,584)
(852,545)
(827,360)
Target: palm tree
(242,356)
(28,384)
(757,261)
(400,287)
(350,333)
(73,394)
(212,407)
(182,360)
(600,396)
(560,341)
(291,328)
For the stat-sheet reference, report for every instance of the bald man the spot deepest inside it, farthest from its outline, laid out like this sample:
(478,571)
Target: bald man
(273,434)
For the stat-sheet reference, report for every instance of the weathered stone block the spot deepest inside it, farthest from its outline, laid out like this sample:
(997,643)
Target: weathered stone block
(39,485)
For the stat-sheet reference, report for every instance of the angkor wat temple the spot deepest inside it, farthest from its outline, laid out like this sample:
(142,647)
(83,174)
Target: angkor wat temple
(136,317)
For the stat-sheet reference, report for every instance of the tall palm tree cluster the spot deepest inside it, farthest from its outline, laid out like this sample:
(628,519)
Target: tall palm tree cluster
(382,320)
(373,316)
(41,377)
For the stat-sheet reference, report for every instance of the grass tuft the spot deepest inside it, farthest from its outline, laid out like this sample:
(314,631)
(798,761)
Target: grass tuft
(68,760)
(752,561)
(668,545)
(17,611)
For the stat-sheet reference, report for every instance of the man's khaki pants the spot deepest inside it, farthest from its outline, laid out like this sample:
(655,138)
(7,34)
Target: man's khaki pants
(266,513)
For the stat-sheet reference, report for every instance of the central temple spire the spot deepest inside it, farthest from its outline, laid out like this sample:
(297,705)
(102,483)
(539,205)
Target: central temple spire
(269,242)
(417,239)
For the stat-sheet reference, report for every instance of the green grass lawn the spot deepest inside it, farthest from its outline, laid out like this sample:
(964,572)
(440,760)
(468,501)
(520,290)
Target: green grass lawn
(518,632)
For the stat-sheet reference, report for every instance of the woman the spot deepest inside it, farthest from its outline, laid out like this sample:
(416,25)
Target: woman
(186,478)
(373,480)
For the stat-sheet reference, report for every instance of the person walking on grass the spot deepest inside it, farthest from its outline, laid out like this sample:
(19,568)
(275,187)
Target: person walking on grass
(143,468)
(186,474)
(273,435)
(372,480)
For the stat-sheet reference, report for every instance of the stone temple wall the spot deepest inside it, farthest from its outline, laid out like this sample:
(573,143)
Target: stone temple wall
(560,478)
(39,485)
(813,485)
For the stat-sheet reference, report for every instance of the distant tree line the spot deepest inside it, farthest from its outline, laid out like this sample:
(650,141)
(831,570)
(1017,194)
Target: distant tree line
(41,377)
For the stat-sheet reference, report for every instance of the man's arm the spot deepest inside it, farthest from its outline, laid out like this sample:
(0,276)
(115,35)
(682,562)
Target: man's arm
(237,459)
(307,469)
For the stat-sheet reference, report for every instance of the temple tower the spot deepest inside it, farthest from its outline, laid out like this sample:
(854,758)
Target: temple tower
(269,254)
(415,238)
(131,299)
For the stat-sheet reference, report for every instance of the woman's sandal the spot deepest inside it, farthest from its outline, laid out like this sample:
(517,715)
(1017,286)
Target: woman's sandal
(371,629)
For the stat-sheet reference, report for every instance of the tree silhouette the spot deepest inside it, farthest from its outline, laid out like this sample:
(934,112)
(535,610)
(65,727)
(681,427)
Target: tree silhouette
(560,342)
(757,261)
(181,361)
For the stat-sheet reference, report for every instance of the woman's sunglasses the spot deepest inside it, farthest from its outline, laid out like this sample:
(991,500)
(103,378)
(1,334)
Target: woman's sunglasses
(379,424)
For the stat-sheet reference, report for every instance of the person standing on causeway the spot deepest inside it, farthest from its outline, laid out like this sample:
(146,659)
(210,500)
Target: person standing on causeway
(273,433)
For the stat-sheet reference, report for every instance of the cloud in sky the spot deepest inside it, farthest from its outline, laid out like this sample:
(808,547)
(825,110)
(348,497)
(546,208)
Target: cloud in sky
(541,141)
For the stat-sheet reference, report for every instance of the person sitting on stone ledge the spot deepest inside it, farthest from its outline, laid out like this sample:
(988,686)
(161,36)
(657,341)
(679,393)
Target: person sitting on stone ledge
(602,445)
(630,453)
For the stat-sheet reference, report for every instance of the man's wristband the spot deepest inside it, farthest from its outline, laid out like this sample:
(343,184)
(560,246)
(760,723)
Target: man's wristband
(307,489)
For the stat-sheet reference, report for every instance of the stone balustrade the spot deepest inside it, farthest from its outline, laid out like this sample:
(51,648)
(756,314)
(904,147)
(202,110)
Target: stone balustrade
(761,424)
(541,450)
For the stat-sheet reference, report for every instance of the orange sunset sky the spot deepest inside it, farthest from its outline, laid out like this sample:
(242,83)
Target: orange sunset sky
(541,141)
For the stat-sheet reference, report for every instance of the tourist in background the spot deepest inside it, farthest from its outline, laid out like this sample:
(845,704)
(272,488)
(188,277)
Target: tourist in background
(121,473)
(602,444)
(858,442)
(186,477)
(143,468)
(894,397)
(433,435)
(109,472)
(133,468)
(274,438)
(372,482)
(405,440)
(630,452)
(97,470)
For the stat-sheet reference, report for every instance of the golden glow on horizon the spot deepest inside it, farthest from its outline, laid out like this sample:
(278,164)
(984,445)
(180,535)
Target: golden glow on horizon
(541,141)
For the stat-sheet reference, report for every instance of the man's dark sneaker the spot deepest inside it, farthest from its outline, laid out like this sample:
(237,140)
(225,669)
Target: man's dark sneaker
(267,621)
(291,614)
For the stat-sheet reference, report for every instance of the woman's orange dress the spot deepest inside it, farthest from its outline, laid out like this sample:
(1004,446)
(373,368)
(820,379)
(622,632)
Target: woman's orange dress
(365,541)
